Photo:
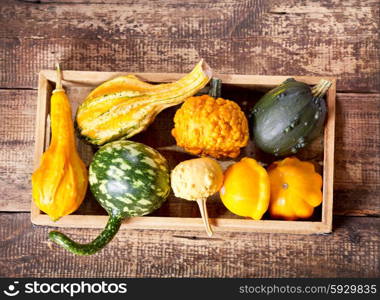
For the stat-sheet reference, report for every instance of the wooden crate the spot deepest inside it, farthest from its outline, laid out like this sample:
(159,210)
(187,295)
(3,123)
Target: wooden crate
(179,214)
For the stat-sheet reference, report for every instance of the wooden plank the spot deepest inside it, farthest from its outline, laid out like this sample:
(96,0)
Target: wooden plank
(357,167)
(351,251)
(89,79)
(357,157)
(261,56)
(185,224)
(189,19)
(329,157)
(42,138)
(18,114)
(333,38)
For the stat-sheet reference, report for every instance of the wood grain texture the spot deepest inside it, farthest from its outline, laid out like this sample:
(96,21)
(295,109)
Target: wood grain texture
(332,38)
(351,251)
(302,37)
(194,19)
(357,155)
(18,114)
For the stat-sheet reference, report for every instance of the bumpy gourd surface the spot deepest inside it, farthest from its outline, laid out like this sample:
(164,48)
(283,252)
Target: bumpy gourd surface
(197,178)
(208,126)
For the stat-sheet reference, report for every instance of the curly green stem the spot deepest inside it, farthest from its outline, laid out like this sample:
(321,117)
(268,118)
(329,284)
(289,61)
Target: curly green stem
(103,239)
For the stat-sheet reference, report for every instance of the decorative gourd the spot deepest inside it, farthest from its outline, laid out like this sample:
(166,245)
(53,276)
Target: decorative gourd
(289,117)
(196,180)
(59,184)
(127,179)
(245,190)
(295,189)
(207,125)
(124,106)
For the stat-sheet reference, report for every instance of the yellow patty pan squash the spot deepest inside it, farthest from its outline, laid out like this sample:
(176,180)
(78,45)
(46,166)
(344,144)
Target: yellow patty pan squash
(295,189)
(245,190)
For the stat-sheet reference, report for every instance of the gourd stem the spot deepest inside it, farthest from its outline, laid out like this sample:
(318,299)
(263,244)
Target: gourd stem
(58,85)
(321,88)
(204,214)
(215,88)
(104,237)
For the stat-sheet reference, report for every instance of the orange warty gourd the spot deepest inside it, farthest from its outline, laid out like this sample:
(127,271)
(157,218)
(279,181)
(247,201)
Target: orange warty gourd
(211,126)
(245,190)
(295,189)
(59,184)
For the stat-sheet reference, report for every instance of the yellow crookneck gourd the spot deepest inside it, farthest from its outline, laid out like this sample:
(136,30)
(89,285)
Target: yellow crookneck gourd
(125,105)
(59,184)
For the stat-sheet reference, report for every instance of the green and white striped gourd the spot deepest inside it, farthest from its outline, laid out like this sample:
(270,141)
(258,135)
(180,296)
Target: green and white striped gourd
(128,179)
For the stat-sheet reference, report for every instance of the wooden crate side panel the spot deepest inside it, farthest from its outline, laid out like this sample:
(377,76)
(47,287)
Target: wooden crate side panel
(44,91)
(175,223)
(92,78)
(329,148)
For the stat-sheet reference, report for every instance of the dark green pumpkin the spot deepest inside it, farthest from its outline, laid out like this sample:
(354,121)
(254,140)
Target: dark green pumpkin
(289,117)
(127,179)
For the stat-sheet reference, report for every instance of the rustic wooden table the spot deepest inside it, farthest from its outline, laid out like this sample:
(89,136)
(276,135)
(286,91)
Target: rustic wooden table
(329,38)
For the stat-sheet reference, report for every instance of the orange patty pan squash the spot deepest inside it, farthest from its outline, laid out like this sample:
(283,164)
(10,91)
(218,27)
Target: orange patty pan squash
(295,189)
(245,190)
